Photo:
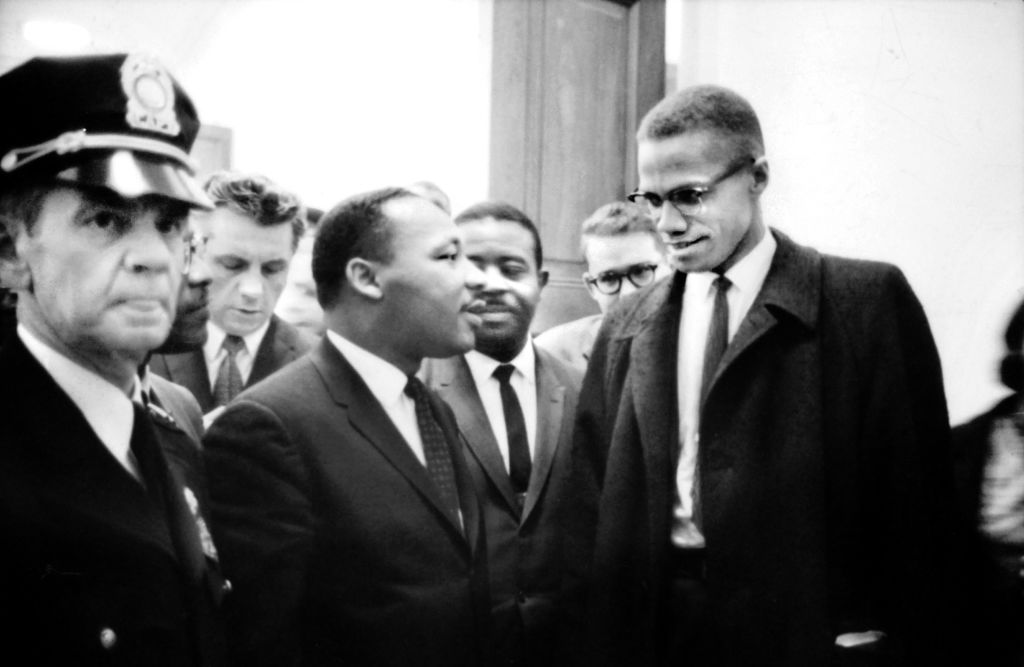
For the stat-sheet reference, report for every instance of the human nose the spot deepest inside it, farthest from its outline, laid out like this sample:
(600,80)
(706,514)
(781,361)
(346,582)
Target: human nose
(250,285)
(669,220)
(149,250)
(474,278)
(198,272)
(494,281)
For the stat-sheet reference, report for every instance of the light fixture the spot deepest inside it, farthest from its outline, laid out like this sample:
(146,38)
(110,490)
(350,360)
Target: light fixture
(60,37)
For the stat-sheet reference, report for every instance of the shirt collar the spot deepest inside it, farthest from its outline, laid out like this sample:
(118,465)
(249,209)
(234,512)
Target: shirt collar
(482,366)
(106,408)
(216,336)
(747,275)
(385,380)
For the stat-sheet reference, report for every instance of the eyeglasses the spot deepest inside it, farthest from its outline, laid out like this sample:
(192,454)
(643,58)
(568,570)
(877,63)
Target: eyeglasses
(195,246)
(689,199)
(610,282)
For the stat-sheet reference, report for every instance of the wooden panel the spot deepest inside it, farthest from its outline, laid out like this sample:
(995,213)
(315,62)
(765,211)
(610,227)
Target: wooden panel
(570,80)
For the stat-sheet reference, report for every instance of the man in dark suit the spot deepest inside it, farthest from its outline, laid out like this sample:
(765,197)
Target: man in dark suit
(249,240)
(766,433)
(107,556)
(347,518)
(515,405)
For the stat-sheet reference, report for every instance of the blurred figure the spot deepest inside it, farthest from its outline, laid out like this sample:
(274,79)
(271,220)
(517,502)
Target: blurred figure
(251,237)
(515,406)
(989,465)
(107,558)
(623,253)
(298,305)
(431,192)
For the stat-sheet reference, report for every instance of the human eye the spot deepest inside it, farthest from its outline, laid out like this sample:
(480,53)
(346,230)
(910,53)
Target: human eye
(170,224)
(641,274)
(273,268)
(232,264)
(688,196)
(513,269)
(108,220)
(609,281)
(648,199)
(450,254)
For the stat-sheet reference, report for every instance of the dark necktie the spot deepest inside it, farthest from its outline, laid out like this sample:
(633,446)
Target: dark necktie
(718,335)
(515,427)
(229,378)
(435,447)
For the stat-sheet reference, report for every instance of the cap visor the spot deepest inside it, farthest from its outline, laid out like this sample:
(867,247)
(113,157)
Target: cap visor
(132,174)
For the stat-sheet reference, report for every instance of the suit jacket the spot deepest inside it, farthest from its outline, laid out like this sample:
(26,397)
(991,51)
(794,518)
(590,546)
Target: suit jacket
(281,345)
(993,611)
(571,342)
(178,404)
(94,573)
(332,532)
(825,474)
(523,545)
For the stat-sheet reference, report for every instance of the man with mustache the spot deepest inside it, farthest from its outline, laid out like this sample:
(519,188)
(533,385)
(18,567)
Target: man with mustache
(515,406)
(346,515)
(107,558)
(765,432)
(251,236)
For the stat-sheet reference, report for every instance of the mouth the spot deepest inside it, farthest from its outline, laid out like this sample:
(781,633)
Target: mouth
(682,243)
(474,312)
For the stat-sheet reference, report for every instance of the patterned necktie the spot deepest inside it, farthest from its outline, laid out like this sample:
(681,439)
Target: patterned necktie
(435,447)
(229,378)
(515,427)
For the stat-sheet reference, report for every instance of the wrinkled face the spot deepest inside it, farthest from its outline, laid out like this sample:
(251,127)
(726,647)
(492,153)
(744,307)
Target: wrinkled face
(727,225)
(619,254)
(188,332)
(428,285)
(503,251)
(249,266)
(298,304)
(100,273)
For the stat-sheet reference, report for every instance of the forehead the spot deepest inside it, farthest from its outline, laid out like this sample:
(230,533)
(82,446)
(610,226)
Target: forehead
(604,253)
(417,225)
(672,161)
(497,235)
(230,232)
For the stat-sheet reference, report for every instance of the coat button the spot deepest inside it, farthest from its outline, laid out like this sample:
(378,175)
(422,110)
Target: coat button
(226,586)
(108,638)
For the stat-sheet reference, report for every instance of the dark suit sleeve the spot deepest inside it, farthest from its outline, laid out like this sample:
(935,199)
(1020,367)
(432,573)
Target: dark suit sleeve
(907,473)
(263,528)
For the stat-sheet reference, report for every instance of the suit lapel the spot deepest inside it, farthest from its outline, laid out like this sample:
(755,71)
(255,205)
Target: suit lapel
(367,417)
(550,404)
(189,370)
(455,385)
(267,356)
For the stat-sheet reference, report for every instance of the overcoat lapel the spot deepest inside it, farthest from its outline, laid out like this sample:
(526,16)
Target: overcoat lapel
(367,417)
(455,385)
(190,371)
(550,404)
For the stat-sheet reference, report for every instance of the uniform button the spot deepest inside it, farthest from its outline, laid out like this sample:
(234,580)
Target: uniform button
(521,597)
(226,586)
(108,638)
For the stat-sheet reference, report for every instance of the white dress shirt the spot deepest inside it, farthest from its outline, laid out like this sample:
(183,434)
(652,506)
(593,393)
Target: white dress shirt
(106,408)
(746,278)
(214,351)
(387,384)
(523,381)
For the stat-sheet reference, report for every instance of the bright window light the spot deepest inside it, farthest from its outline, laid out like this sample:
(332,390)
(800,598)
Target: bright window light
(56,36)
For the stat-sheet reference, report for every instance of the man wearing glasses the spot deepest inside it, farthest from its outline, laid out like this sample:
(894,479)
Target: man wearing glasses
(107,559)
(623,253)
(765,433)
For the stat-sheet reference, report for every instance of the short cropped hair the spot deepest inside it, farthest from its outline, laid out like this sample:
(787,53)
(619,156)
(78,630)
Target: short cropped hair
(355,227)
(24,203)
(705,107)
(500,210)
(259,198)
(618,219)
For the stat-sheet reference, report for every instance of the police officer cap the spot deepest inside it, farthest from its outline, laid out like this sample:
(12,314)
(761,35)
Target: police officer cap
(117,121)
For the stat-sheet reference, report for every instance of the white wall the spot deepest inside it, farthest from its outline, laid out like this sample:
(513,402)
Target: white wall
(327,97)
(895,131)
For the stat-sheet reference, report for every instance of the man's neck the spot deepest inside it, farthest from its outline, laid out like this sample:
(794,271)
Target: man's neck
(503,351)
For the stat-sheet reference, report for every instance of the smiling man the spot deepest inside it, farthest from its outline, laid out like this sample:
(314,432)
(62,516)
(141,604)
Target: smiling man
(766,433)
(250,238)
(346,514)
(100,494)
(515,406)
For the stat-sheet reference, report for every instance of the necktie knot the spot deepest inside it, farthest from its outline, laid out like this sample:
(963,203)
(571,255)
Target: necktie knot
(414,388)
(233,344)
(722,284)
(503,372)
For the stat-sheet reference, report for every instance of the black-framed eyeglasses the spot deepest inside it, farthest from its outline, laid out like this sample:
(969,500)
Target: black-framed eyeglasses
(689,199)
(610,282)
(195,246)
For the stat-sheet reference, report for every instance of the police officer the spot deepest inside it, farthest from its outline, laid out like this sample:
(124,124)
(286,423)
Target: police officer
(107,558)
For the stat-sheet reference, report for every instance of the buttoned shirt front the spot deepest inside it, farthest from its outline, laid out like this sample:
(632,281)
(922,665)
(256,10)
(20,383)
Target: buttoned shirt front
(746,278)
(387,384)
(523,381)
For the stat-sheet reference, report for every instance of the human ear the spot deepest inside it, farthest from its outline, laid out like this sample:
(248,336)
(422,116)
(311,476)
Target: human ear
(760,171)
(14,270)
(542,279)
(362,275)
